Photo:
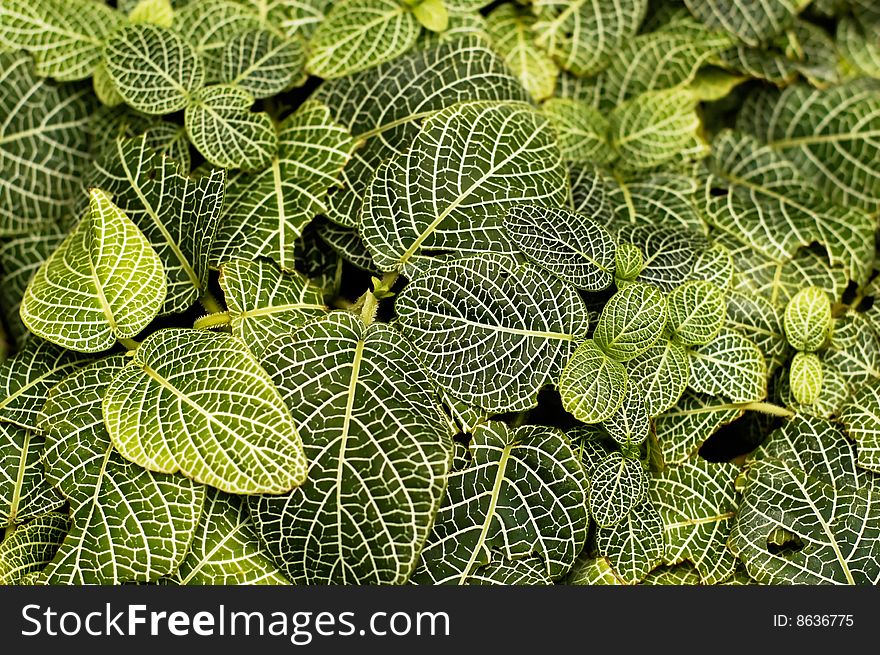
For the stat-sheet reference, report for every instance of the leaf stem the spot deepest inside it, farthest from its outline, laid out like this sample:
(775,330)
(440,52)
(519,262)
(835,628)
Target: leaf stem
(371,306)
(8,531)
(767,408)
(212,321)
(130,344)
(210,303)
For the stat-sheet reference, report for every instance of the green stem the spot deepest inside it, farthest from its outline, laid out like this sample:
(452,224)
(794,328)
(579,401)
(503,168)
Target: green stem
(8,531)
(767,408)
(210,303)
(371,306)
(130,344)
(212,321)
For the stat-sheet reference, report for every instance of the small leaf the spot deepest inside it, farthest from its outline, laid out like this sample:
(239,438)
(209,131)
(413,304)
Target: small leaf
(222,127)
(186,389)
(661,374)
(805,377)
(510,31)
(262,63)
(592,385)
(153,68)
(634,546)
(104,282)
(432,15)
(569,245)
(808,319)
(631,322)
(617,485)
(157,12)
(697,311)
(731,366)
(628,263)
(630,424)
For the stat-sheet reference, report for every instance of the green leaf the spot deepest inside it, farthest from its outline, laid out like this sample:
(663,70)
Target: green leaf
(262,63)
(506,572)
(459,26)
(359,34)
(581,35)
(25,492)
(656,127)
(670,253)
(697,311)
(683,429)
(582,130)
(225,549)
(432,15)
(186,391)
(805,377)
(680,575)
(383,107)
(617,485)
(665,198)
(661,375)
(629,424)
(831,510)
(267,211)
(265,303)
(510,30)
(761,321)
(127,524)
(697,505)
(26,378)
(64,36)
(590,571)
(524,494)
(104,282)
(379,450)
(450,192)
(345,241)
(730,366)
(474,320)
(592,385)
(222,127)
(31,547)
(569,245)
(631,322)
(44,150)
(763,201)
(628,263)
(715,265)
(176,213)
(859,46)
(157,12)
(861,421)
(752,22)
(808,319)
(634,546)
(153,68)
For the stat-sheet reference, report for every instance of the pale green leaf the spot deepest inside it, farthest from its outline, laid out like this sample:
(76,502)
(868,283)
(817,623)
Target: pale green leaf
(360,34)
(524,494)
(859,45)
(730,366)
(475,320)
(127,524)
(630,423)
(186,391)
(592,385)
(262,63)
(634,546)
(379,450)
(582,131)
(661,374)
(697,310)
(157,12)
(807,319)
(680,575)
(628,263)
(104,282)
(752,22)
(617,485)
(31,547)
(153,68)
(25,492)
(510,30)
(664,199)
(715,265)
(104,87)
(451,190)
(569,245)
(631,322)
(589,571)
(805,377)
(222,127)
(265,303)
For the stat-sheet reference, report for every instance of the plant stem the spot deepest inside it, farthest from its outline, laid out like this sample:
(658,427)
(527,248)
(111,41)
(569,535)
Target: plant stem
(8,531)
(767,408)
(212,321)
(371,306)
(130,344)
(210,303)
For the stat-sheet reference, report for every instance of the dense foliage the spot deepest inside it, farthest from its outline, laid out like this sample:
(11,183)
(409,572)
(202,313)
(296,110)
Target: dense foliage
(439,291)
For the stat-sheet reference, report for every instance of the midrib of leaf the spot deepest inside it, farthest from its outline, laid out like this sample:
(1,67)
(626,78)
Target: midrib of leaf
(273,309)
(19,392)
(376,131)
(627,197)
(282,216)
(700,521)
(455,203)
(19,482)
(102,297)
(384,18)
(175,247)
(207,558)
(343,443)
(824,138)
(509,330)
(490,512)
(36,131)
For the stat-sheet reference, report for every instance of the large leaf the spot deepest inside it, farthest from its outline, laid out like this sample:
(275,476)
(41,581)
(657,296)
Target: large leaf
(861,420)
(523,494)
(177,214)
(592,385)
(582,34)
(222,127)
(510,30)
(582,131)
(378,446)
(359,34)
(697,504)
(25,380)
(31,547)
(382,107)
(104,282)
(127,524)
(44,150)
(475,322)
(570,245)
(753,22)
(24,490)
(731,366)
(450,192)
(635,545)
(265,303)
(631,322)
(804,482)
(266,212)
(187,392)
(65,37)
(226,549)
(153,68)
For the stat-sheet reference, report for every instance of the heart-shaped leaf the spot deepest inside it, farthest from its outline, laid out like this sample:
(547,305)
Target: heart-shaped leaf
(592,385)
(631,322)
(697,311)
(731,366)
(617,485)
